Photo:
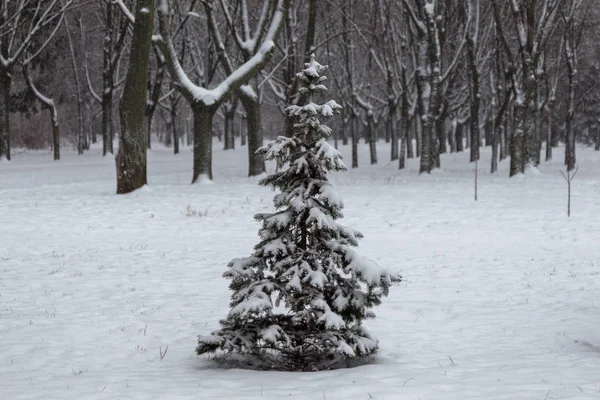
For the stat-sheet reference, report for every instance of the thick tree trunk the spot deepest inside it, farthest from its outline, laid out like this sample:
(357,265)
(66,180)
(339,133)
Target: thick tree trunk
(5,83)
(107,123)
(459,137)
(203,117)
(256,162)
(131,158)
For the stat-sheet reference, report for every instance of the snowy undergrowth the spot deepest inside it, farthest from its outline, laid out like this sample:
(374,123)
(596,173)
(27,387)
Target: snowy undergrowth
(500,299)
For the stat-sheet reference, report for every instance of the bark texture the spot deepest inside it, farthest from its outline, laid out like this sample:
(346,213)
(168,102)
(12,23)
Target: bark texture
(131,158)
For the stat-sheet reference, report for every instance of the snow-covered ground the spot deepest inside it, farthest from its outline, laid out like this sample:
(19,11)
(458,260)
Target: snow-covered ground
(501,298)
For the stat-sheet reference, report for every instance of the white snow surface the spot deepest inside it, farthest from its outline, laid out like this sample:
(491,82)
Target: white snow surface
(500,299)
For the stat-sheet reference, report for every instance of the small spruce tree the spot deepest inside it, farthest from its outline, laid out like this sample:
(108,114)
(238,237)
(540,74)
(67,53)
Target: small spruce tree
(299,300)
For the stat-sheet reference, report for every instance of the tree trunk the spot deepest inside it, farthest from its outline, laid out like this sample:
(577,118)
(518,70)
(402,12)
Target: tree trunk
(131,158)
(504,138)
(355,138)
(173,118)
(403,128)
(5,83)
(597,148)
(372,137)
(203,117)
(495,133)
(256,162)
(475,100)
(229,125)
(549,138)
(571,57)
(453,135)
(107,83)
(55,132)
(81,131)
(459,137)
(392,133)
(517,142)
(107,123)
(409,137)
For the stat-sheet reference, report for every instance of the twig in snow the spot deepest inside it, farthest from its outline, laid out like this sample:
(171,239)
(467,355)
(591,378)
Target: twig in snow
(163,354)
(143,330)
(451,360)
(406,381)
(547,394)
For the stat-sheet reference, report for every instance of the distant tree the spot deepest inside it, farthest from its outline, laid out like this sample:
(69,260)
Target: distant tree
(49,104)
(26,28)
(205,101)
(304,263)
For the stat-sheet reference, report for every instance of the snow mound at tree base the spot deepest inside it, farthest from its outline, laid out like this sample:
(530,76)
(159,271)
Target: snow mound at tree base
(269,361)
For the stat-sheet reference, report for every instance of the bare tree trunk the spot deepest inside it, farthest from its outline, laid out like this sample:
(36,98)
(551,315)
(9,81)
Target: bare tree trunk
(452,138)
(409,138)
(403,128)
(355,138)
(256,162)
(475,100)
(107,84)
(495,133)
(549,138)
(372,137)
(597,148)
(571,58)
(203,117)
(243,131)
(459,137)
(5,83)
(517,141)
(131,158)
(392,133)
(230,109)
(81,130)
(173,118)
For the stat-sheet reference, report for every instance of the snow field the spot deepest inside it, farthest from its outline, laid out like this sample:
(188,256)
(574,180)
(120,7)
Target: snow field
(500,299)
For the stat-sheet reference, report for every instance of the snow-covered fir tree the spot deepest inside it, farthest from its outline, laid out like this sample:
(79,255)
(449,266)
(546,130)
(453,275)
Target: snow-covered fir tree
(299,300)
